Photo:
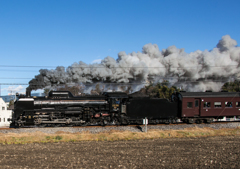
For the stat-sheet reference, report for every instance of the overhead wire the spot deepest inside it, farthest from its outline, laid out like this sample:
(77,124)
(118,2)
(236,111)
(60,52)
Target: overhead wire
(112,83)
(92,66)
(14,78)
(180,79)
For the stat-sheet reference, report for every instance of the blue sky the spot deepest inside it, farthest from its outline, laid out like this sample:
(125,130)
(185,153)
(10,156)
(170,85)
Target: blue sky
(45,34)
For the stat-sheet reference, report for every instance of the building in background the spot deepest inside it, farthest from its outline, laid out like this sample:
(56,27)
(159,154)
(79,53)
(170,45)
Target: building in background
(8,98)
(4,114)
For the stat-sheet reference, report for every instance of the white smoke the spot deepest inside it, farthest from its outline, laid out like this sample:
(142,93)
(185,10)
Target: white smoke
(196,71)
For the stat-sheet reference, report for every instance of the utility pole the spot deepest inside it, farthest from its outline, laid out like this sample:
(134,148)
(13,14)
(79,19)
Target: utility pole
(145,121)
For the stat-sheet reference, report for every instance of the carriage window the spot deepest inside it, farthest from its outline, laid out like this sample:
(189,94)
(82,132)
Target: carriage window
(3,108)
(0,119)
(237,104)
(4,120)
(189,104)
(207,104)
(228,104)
(217,104)
(196,103)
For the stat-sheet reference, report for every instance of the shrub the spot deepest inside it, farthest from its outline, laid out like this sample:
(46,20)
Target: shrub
(58,138)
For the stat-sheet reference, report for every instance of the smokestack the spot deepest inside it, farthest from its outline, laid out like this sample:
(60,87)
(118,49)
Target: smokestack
(28,92)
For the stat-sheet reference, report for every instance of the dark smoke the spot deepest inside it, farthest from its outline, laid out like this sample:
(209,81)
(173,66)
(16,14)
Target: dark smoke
(196,71)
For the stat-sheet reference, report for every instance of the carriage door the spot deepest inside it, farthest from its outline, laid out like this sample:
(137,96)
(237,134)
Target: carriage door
(197,107)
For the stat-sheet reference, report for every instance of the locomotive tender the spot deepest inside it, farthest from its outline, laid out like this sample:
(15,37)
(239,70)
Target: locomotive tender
(61,108)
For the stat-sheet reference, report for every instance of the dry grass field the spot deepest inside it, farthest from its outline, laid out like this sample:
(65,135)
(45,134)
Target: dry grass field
(40,137)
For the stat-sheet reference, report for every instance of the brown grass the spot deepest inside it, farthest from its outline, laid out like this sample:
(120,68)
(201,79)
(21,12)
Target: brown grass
(39,137)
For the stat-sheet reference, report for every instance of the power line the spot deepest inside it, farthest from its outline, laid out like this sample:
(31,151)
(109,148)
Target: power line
(180,78)
(14,78)
(27,66)
(37,71)
(150,77)
(112,83)
(103,67)
(13,84)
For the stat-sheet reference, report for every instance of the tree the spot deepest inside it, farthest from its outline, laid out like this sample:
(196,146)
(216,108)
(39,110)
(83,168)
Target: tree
(97,90)
(166,92)
(159,90)
(11,103)
(126,88)
(76,90)
(46,91)
(231,86)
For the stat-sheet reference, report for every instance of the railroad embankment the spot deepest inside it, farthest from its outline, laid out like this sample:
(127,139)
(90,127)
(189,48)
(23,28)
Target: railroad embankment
(70,134)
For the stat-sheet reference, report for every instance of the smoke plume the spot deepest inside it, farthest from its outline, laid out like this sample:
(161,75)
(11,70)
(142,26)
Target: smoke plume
(196,71)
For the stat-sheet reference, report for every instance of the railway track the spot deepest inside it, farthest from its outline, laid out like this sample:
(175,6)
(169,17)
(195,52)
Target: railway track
(113,126)
(131,128)
(162,124)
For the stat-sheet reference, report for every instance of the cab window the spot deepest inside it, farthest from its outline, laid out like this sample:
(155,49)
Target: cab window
(116,101)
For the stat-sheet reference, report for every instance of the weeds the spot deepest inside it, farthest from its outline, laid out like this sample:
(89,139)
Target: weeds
(58,138)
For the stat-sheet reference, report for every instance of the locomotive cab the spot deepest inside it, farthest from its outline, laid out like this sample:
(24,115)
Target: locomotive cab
(117,101)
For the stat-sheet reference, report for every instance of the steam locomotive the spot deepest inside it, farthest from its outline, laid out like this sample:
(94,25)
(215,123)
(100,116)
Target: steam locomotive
(61,108)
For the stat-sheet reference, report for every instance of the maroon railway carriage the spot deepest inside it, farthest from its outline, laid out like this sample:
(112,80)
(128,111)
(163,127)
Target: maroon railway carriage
(207,106)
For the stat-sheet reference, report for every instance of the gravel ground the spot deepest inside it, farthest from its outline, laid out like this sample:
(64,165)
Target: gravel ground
(51,130)
(209,152)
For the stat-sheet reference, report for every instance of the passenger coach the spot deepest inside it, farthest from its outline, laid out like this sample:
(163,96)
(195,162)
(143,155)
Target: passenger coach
(207,106)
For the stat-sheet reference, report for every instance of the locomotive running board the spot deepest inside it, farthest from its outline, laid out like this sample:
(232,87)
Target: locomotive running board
(63,122)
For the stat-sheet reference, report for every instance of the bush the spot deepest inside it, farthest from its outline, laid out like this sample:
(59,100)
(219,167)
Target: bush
(58,138)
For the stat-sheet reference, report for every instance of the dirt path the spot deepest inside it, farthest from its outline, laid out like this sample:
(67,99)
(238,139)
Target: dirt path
(213,152)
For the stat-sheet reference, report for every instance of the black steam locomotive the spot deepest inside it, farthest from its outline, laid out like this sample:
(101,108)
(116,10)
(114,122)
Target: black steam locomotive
(61,108)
